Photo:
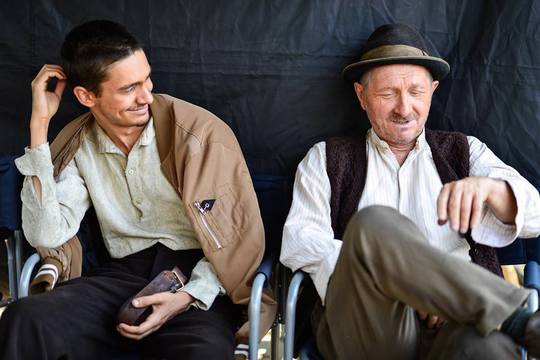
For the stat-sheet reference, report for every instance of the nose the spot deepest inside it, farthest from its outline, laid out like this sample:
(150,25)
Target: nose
(404,106)
(145,94)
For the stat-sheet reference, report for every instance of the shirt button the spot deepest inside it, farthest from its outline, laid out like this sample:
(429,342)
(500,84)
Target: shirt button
(130,171)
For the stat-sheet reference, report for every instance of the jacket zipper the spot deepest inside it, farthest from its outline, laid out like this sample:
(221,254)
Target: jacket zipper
(202,211)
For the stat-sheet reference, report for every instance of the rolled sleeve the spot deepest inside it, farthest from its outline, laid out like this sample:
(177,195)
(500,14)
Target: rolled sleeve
(204,285)
(491,231)
(308,239)
(326,269)
(36,162)
(54,218)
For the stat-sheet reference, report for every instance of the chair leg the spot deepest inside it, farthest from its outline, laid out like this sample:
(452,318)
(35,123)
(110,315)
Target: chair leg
(290,313)
(19,239)
(274,342)
(532,281)
(255,315)
(12,272)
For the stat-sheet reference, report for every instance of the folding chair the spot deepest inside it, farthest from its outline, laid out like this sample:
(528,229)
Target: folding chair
(521,251)
(10,220)
(274,194)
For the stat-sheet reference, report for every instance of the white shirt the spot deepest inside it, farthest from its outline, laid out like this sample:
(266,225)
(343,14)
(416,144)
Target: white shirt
(135,204)
(412,189)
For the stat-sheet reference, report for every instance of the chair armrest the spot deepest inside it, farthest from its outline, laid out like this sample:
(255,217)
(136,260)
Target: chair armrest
(290,312)
(266,267)
(26,274)
(532,281)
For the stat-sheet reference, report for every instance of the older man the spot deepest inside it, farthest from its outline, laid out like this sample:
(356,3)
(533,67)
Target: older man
(387,224)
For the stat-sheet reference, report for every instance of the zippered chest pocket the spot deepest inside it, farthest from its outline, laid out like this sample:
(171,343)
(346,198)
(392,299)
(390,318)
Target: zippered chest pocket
(220,218)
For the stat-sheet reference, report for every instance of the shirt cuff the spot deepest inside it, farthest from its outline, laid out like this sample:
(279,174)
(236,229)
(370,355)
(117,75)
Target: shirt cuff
(322,276)
(493,232)
(203,292)
(36,161)
(522,197)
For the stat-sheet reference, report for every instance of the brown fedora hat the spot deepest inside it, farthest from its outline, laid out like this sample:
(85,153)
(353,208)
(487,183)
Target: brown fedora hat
(396,44)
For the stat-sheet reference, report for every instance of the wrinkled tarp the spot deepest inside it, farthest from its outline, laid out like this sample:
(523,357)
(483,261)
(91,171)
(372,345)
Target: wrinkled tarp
(272,69)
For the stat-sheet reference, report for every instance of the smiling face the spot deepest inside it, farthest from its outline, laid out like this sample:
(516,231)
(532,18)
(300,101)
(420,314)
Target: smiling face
(125,94)
(397,99)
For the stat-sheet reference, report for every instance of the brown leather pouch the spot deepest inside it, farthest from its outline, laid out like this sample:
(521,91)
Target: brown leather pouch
(167,280)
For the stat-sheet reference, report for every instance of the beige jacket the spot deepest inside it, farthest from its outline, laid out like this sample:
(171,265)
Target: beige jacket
(202,159)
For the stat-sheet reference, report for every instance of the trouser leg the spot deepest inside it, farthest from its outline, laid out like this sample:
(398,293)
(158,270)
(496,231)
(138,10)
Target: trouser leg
(74,321)
(462,342)
(386,264)
(196,334)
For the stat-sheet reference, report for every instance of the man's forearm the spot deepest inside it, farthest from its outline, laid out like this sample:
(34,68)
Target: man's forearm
(502,201)
(38,136)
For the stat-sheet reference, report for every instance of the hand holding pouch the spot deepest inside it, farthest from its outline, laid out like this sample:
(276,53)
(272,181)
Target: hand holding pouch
(167,280)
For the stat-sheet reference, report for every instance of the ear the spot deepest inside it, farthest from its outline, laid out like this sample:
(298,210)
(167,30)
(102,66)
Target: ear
(359,90)
(85,97)
(434,85)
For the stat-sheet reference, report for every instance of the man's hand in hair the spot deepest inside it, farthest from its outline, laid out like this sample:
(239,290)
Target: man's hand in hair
(45,103)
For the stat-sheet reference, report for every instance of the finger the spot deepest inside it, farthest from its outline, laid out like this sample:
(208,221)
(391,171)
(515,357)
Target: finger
(134,330)
(422,315)
(454,206)
(135,336)
(432,321)
(60,86)
(441,322)
(149,300)
(477,208)
(52,68)
(145,334)
(442,204)
(153,320)
(42,79)
(465,215)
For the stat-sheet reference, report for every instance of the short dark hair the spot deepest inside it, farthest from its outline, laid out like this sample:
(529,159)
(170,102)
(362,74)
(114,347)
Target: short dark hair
(91,47)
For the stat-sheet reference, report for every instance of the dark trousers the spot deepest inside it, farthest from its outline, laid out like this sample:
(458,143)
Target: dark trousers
(385,272)
(77,319)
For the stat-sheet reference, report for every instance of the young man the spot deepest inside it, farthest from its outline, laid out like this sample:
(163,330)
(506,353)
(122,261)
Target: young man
(381,223)
(169,186)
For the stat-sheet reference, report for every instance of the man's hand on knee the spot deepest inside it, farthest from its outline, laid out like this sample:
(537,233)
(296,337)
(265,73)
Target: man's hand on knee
(165,305)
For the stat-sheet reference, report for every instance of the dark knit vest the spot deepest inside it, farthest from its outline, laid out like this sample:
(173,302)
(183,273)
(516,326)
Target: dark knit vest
(346,165)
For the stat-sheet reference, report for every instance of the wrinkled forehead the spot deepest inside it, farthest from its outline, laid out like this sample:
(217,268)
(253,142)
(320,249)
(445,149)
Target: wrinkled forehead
(399,75)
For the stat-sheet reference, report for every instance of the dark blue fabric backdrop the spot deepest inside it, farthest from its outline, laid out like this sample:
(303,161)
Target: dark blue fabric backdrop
(271,69)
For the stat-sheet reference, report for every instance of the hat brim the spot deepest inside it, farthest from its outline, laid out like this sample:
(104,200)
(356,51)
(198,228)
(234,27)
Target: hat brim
(436,66)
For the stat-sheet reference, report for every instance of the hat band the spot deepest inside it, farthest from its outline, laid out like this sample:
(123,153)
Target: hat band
(386,51)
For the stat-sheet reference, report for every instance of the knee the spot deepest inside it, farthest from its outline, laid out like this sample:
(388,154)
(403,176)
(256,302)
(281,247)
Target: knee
(28,310)
(19,309)
(373,217)
(374,222)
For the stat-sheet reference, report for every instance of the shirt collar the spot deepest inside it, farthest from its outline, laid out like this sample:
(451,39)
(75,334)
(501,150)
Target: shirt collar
(106,145)
(383,145)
